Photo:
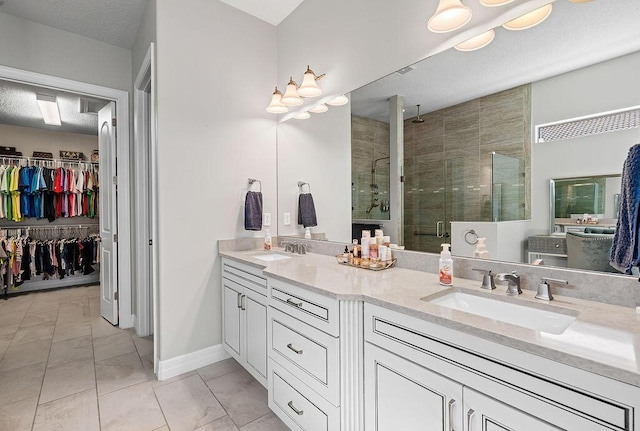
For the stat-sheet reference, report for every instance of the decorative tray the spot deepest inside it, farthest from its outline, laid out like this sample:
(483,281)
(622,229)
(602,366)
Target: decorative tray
(380,267)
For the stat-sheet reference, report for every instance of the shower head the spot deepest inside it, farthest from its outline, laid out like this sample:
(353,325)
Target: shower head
(418,119)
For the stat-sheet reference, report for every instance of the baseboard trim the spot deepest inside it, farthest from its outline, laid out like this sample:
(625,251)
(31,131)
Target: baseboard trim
(191,361)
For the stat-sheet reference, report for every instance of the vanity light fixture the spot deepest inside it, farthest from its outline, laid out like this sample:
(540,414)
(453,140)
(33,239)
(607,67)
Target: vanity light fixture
(309,87)
(450,15)
(530,19)
(477,42)
(319,109)
(494,3)
(276,106)
(49,108)
(303,116)
(291,96)
(339,101)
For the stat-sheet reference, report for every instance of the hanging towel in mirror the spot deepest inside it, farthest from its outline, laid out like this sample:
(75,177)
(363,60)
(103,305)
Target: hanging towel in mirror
(253,211)
(306,210)
(625,251)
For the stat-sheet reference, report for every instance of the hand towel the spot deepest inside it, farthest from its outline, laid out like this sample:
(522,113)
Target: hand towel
(306,210)
(625,251)
(253,211)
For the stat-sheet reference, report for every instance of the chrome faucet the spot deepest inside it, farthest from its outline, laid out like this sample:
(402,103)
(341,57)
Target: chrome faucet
(544,290)
(487,278)
(288,246)
(302,249)
(513,282)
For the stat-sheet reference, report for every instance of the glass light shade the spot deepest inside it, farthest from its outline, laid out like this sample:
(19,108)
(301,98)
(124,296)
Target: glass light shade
(530,19)
(291,96)
(493,3)
(450,15)
(339,101)
(319,109)
(309,87)
(477,42)
(303,116)
(276,106)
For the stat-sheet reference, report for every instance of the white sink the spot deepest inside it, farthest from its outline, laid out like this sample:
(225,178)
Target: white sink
(270,257)
(528,317)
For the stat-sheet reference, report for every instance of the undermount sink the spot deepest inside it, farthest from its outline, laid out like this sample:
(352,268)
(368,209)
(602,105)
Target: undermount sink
(270,257)
(528,317)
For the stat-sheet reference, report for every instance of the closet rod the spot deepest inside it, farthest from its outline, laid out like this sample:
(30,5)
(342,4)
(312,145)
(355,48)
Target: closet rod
(44,159)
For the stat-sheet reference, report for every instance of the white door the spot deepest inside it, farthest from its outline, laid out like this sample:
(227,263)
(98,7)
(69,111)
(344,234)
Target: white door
(108,214)
(255,310)
(231,319)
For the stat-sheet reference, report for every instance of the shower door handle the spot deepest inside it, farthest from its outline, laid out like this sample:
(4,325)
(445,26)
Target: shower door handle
(439,229)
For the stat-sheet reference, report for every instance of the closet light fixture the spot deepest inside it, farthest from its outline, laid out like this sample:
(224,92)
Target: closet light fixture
(477,42)
(493,3)
(309,87)
(49,108)
(530,19)
(319,109)
(303,116)
(450,15)
(291,96)
(276,106)
(339,101)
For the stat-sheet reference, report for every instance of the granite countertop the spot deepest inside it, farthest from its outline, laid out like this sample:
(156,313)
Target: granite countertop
(603,339)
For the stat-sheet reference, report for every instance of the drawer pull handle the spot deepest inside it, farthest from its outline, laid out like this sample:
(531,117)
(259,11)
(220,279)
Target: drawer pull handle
(298,412)
(290,346)
(243,302)
(451,404)
(295,304)
(239,300)
(470,414)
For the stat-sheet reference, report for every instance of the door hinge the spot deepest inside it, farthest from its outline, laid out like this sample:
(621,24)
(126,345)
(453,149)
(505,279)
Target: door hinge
(115,296)
(115,237)
(150,242)
(402,178)
(115,181)
(114,122)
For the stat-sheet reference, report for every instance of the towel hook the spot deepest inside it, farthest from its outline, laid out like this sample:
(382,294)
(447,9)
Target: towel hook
(253,180)
(302,183)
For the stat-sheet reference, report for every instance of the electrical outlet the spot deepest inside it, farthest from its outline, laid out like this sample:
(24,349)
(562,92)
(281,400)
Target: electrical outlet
(638,310)
(287,219)
(267,219)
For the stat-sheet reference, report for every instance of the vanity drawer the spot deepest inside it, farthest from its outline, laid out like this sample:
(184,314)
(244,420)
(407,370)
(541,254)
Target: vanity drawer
(298,406)
(244,275)
(548,244)
(316,310)
(308,353)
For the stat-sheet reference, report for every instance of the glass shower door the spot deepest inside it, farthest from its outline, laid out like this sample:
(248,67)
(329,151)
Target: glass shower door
(507,188)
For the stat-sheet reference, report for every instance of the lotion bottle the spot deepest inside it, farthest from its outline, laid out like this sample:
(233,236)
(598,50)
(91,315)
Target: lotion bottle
(481,250)
(267,240)
(445,271)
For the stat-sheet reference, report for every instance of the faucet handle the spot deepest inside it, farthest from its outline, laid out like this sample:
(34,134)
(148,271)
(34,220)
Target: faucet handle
(488,281)
(544,290)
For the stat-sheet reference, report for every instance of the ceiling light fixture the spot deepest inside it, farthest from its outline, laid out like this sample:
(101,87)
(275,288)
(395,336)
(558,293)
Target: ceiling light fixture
(319,109)
(477,42)
(291,96)
(339,101)
(309,87)
(303,116)
(49,108)
(494,3)
(276,106)
(530,19)
(450,15)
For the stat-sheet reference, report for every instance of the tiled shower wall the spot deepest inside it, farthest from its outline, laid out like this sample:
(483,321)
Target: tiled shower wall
(447,161)
(369,141)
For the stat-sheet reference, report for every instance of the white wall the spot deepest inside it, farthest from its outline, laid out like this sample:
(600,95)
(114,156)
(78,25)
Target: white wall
(317,151)
(216,67)
(28,139)
(506,241)
(39,48)
(146,35)
(606,86)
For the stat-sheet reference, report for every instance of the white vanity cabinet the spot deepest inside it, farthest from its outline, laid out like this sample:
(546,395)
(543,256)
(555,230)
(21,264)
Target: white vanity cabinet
(245,317)
(419,373)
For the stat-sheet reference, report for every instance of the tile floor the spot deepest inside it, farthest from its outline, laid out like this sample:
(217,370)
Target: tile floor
(63,367)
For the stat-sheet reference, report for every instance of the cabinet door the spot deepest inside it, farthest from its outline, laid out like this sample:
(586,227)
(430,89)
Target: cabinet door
(231,311)
(401,395)
(255,310)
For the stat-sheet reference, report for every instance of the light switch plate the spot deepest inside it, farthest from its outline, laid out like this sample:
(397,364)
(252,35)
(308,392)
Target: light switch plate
(638,310)
(267,219)
(287,219)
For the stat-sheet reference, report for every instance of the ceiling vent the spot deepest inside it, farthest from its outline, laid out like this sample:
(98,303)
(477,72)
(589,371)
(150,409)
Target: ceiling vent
(88,106)
(405,70)
(614,121)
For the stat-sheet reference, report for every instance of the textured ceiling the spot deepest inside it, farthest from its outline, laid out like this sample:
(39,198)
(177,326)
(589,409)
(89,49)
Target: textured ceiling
(115,22)
(574,36)
(18,107)
(272,11)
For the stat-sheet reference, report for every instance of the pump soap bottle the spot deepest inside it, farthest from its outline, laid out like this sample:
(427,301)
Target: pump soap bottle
(445,271)
(481,250)
(267,240)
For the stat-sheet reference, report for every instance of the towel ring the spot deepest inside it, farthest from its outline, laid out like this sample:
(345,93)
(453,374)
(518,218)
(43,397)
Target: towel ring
(474,237)
(253,180)
(302,184)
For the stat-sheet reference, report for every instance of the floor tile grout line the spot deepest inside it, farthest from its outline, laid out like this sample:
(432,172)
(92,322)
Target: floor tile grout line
(161,409)
(95,377)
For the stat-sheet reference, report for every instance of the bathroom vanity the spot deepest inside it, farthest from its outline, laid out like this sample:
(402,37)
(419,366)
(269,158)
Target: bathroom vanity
(350,349)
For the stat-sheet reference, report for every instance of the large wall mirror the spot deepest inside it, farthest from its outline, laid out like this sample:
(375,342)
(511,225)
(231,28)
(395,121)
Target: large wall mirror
(472,158)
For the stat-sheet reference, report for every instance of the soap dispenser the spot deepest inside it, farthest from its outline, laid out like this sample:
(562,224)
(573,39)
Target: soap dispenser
(267,240)
(445,271)
(481,250)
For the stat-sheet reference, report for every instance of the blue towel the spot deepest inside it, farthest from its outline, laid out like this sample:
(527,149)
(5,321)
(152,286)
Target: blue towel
(253,211)
(625,251)
(306,210)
